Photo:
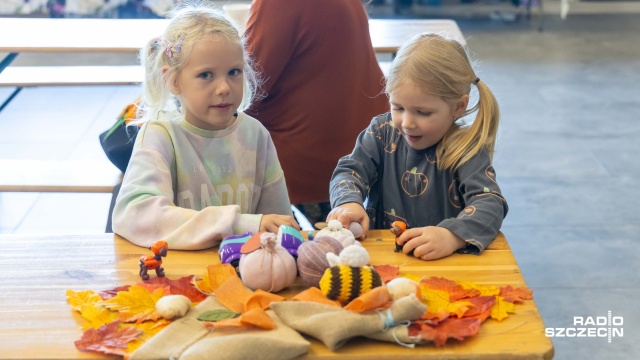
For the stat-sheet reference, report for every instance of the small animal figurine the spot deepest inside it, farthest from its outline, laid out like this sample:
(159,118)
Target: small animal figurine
(349,276)
(154,262)
(397,228)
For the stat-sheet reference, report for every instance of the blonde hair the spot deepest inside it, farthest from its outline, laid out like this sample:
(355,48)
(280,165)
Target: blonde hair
(441,67)
(190,22)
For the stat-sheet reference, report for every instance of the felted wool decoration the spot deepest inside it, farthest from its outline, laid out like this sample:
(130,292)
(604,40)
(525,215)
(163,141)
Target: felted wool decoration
(401,287)
(334,229)
(312,259)
(345,283)
(270,267)
(173,306)
(349,277)
(290,238)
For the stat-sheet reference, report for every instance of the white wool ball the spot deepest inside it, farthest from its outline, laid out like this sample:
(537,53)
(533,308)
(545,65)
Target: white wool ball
(354,256)
(173,306)
(401,287)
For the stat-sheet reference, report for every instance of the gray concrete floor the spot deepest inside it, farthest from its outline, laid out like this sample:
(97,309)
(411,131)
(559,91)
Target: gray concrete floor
(565,161)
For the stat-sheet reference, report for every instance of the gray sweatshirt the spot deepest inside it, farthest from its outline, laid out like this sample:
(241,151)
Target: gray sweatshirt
(401,183)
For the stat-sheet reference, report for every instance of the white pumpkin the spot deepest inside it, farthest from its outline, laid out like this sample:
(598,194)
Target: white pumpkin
(270,268)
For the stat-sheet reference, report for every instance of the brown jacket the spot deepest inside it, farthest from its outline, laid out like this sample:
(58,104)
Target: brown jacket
(323,85)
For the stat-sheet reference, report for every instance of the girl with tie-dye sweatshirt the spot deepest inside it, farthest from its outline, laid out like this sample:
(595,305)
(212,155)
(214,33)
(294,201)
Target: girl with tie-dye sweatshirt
(203,169)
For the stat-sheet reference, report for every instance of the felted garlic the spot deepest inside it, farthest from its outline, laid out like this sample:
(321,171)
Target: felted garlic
(334,229)
(270,267)
(173,306)
(401,287)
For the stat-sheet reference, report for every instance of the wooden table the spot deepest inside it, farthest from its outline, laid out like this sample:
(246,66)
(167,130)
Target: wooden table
(129,35)
(37,323)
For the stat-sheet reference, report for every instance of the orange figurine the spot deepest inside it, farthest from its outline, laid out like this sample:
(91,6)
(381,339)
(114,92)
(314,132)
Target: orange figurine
(397,228)
(154,262)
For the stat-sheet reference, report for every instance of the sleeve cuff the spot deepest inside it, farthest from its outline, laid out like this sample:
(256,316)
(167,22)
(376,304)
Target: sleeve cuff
(247,222)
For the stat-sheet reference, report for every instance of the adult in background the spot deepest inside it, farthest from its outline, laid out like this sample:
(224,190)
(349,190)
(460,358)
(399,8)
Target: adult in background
(322,84)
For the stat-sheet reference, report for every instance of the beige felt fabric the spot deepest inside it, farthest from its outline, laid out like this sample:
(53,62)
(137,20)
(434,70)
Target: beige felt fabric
(188,339)
(334,326)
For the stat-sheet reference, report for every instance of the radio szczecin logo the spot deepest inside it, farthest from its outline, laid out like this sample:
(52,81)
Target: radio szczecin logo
(589,326)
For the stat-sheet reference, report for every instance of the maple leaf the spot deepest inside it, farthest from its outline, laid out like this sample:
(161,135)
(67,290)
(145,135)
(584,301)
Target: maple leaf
(182,286)
(77,299)
(480,307)
(215,276)
(149,330)
(440,305)
(108,339)
(449,328)
(387,272)
(136,304)
(108,294)
(455,290)
(485,290)
(97,316)
(518,294)
(501,308)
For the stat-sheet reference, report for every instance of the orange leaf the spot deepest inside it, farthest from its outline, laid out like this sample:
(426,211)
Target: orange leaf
(252,244)
(480,306)
(449,328)
(261,299)
(182,286)
(232,294)
(313,294)
(374,299)
(511,294)
(387,272)
(456,291)
(108,339)
(219,274)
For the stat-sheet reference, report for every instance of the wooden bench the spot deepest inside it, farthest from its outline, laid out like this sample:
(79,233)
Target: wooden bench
(86,176)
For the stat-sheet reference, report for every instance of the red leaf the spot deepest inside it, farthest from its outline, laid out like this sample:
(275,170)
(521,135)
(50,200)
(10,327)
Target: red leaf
(387,272)
(108,294)
(449,328)
(456,291)
(182,286)
(511,294)
(481,308)
(108,339)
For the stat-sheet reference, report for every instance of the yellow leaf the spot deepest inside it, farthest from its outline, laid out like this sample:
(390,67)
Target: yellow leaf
(501,308)
(485,290)
(439,303)
(136,304)
(149,330)
(79,298)
(412,277)
(97,316)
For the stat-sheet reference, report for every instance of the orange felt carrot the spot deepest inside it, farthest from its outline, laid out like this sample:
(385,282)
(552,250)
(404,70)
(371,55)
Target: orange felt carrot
(261,299)
(374,299)
(219,273)
(313,294)
(232,294)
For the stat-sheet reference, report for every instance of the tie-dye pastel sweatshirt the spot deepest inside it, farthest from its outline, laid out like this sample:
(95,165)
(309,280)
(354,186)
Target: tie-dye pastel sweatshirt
(192,187)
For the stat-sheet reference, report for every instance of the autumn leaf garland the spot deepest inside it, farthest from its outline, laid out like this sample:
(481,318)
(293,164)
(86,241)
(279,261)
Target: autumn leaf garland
(119,320)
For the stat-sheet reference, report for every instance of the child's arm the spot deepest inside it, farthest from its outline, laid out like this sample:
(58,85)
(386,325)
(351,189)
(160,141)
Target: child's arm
(356,172)
(480,220)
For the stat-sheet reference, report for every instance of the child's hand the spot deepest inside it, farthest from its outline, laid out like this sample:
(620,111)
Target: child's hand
(430,243)
(271,222)
(348,213)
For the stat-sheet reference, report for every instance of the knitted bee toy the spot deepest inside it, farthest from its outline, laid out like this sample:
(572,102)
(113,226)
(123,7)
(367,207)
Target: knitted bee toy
(348,277)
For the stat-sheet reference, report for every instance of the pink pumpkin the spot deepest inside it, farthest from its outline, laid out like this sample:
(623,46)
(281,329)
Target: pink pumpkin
(270,267)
